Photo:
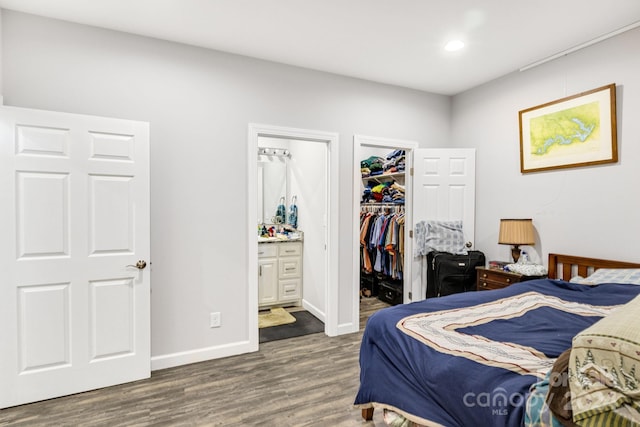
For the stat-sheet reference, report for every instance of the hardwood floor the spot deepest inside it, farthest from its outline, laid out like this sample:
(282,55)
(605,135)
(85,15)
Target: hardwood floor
(305,381)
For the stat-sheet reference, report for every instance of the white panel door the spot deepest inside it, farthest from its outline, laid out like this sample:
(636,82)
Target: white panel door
(444,189)
(74,209)
(444,186)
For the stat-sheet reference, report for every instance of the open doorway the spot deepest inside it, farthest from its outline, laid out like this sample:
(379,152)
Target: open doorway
(366,147)
(311,169)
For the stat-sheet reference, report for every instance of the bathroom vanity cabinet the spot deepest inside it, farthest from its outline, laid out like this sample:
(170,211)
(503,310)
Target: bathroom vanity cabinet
(279,273)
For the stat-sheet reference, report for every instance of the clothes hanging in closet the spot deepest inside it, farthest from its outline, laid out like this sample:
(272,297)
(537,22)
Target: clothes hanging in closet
(382,242)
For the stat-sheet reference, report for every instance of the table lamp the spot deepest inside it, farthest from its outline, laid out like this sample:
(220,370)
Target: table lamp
(516,232)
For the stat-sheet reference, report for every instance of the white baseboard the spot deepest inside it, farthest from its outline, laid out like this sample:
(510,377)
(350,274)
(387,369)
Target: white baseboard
(201,355)
(347,328)
(232,349)
(314,310)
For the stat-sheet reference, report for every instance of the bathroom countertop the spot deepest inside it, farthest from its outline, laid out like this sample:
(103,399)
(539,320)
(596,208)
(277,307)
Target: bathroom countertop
(279,239)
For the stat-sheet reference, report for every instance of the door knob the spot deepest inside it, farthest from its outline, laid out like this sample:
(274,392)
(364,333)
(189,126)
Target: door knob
(139,265)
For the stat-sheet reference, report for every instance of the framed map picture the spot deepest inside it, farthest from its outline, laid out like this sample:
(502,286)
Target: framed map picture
(579,130)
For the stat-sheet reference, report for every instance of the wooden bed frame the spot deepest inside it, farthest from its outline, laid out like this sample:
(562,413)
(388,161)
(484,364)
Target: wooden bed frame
(566,266)
(561,267)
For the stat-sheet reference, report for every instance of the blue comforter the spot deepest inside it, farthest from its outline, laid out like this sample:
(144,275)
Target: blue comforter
(469,359)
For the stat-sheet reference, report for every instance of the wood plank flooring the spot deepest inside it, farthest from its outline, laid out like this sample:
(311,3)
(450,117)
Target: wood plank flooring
(305,381)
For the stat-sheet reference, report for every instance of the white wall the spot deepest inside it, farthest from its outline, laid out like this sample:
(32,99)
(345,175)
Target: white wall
(199,104)
(590,211)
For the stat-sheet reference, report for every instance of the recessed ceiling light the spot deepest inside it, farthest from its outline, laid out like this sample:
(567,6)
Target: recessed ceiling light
(454,45)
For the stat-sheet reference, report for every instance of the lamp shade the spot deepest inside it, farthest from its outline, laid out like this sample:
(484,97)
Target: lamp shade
(516,232)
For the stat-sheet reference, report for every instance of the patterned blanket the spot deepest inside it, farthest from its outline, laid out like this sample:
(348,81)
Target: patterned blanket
(445,236)
(471,358)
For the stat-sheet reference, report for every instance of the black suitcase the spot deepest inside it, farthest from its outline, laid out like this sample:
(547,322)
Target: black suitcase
(450,274)
(390,291)
(369,282)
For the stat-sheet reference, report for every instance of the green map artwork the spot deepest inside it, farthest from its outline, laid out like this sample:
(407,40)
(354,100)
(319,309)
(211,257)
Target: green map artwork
(565,128)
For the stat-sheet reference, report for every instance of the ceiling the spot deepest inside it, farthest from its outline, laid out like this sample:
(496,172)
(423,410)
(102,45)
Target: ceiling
(398,42)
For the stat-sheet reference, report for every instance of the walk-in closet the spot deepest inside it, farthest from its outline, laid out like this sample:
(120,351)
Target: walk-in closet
(382,223)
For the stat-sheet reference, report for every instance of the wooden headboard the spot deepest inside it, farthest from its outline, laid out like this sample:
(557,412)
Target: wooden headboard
(566,266)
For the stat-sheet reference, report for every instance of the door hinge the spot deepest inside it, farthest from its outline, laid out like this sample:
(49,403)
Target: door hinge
(411,234)
(411,171)
(410,295)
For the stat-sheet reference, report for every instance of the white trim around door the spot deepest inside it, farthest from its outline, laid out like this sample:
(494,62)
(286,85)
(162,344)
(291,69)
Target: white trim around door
(360,141)
(331,289)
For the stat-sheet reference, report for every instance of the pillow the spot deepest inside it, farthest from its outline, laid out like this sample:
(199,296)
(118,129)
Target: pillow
(610,275)
(604,367)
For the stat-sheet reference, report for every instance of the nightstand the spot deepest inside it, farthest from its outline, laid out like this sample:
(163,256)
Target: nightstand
(488,278)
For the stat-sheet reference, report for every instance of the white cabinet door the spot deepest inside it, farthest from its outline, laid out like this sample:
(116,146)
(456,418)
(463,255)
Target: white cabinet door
(443,189)
(74,209)
(267,281)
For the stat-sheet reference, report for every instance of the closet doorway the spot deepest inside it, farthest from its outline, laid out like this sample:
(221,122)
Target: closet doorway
(366,147)
(312,172)
(439,185)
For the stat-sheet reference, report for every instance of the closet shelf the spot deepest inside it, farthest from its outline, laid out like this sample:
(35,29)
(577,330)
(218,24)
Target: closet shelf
(385,177)
(381,204)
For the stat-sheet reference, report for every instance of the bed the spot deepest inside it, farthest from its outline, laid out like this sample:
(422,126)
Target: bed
(474,358)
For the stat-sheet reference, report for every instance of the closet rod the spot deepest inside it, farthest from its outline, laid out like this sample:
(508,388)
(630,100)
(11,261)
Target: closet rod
(371,207)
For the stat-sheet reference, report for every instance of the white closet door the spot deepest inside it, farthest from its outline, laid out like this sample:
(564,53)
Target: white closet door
(74,209)
(444,186)
(443,189)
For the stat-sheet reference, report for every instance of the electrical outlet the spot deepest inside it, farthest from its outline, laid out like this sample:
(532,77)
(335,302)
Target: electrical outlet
(214,320)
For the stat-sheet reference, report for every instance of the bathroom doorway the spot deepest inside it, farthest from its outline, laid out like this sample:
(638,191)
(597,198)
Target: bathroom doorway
(311,176)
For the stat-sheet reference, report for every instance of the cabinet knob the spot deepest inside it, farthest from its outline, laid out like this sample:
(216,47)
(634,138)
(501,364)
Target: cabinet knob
(484,275)
(508,280)
(484,284)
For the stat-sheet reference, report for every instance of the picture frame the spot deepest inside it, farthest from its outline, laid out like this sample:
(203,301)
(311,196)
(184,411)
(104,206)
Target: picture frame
(579,130)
